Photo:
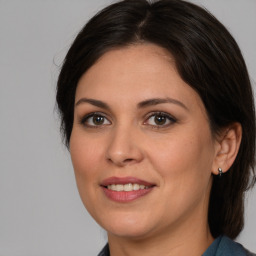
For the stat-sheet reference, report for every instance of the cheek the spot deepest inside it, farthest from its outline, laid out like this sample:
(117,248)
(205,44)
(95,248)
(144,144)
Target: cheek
(185,168)
(184,162)
(85,157)
(84,154)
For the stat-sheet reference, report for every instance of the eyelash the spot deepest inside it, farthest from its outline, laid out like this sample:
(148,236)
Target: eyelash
(168,117)
(84,120)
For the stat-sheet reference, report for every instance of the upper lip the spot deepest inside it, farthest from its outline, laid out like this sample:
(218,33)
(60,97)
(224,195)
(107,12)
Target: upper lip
(125,180)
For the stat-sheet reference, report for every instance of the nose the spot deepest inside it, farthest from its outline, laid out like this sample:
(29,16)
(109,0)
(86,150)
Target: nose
(124,147)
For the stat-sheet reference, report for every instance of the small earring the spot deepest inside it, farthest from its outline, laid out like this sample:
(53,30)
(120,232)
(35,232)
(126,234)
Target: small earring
(220,172)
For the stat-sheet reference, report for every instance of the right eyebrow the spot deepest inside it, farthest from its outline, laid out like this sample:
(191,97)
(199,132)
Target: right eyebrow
(93,102)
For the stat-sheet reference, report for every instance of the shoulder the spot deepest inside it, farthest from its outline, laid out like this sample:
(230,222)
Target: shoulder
(224,246)
(234,248)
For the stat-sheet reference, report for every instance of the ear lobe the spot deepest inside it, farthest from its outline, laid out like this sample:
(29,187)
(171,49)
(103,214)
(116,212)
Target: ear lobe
(228,145)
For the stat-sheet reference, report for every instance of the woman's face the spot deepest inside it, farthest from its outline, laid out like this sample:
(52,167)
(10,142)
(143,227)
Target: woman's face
(141,145)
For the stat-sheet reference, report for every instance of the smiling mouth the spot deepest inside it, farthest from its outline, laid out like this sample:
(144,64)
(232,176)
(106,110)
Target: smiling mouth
(126,189)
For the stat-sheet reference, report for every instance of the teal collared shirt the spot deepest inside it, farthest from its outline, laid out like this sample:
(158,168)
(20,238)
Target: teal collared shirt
(221,246)
(224,246)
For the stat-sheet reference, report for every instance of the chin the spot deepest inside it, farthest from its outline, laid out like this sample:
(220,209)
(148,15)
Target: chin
(131,232)
(128,226)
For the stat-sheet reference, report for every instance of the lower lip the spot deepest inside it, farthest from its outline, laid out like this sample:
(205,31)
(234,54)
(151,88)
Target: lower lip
(126,196)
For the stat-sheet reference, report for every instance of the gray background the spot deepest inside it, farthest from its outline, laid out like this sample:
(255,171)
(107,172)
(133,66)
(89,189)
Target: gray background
(40,209)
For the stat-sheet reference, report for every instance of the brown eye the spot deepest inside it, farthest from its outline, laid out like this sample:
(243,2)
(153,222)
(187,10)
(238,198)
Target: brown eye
(160,120)
(98,120)
(95,120)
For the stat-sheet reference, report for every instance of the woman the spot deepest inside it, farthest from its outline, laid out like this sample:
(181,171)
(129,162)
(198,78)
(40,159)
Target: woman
(158,114)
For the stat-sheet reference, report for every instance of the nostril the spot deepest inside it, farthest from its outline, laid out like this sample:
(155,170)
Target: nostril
(128,160)
(121,162)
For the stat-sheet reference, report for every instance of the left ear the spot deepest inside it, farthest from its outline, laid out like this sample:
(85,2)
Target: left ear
(227,146)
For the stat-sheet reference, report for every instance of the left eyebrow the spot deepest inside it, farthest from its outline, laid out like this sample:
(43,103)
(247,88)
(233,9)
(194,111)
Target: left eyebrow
(156,101)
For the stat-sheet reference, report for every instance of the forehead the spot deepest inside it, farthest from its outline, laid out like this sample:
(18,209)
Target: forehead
(131,60)
(136,72)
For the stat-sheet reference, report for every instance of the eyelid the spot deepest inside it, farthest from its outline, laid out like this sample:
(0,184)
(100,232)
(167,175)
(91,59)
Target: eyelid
(83,119)
(170,117)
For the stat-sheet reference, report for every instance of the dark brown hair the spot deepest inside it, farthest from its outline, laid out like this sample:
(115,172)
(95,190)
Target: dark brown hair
(207,58)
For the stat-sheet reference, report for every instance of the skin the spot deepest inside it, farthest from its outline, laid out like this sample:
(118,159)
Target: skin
(178,156)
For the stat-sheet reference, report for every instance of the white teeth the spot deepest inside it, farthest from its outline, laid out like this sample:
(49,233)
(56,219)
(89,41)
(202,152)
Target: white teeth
(136,186)
(126,187)
(112,187)
(119,187)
